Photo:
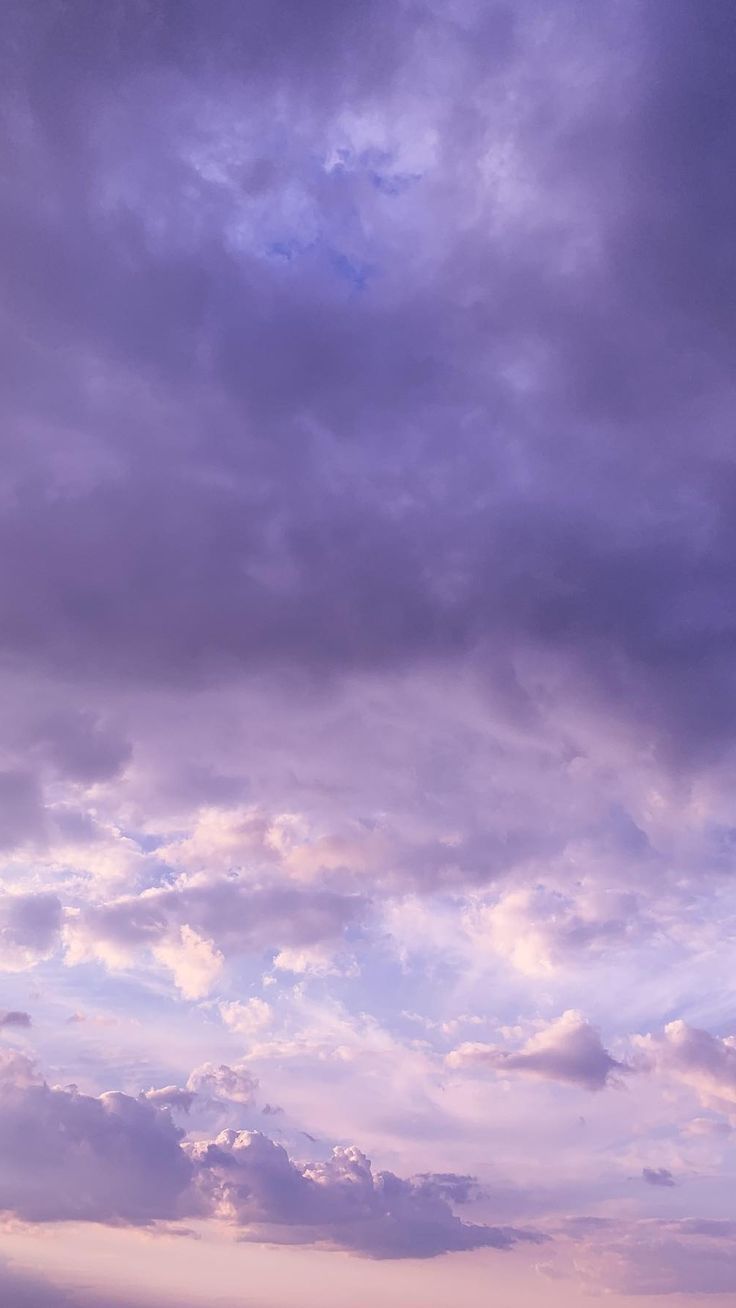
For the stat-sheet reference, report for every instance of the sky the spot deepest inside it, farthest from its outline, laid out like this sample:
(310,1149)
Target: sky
(367,635)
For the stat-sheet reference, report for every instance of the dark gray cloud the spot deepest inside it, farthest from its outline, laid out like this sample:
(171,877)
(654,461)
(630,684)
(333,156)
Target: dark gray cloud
(235,1085)
(169,1096)
(21,809)
(215,1095)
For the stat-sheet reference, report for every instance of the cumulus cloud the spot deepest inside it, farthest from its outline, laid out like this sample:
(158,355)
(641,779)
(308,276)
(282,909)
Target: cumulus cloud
(568,1050)
(195,962)
(340,1203)
(68,1156)
(247,1017)
(22,814)
(79,746)
(707,1126)
(704,1062)
(219,1081)
(169,1096)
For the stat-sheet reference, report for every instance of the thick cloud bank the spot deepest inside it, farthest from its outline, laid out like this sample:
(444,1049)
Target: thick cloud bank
(67,1156)
(340,1203)
(351,430)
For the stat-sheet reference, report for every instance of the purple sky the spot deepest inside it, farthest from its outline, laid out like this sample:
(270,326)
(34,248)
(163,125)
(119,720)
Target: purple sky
(367,653)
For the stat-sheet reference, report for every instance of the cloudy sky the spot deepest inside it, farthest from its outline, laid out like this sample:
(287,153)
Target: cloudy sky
(367,636)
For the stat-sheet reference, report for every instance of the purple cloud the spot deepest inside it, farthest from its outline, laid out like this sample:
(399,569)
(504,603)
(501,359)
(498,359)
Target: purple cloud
(15,1017)
(568,1050)
(660,1176)
(705,1062)
(29,928)
(68,1156)
(341,1202)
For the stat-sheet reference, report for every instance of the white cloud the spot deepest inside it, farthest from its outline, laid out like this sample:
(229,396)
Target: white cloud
(219,1081)
(195,962)
(247,1017)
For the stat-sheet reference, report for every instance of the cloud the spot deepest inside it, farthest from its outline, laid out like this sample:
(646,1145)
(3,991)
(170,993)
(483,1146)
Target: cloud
(568,1050)
(67,1156)
(14,1017)
(683,1257)
(704,1062)
(660,1176)
(539,928)
(191,929)
(315,961)
(22,817)
(235,1085)
(247,1017)
(195,962)
(340,1203)
(79,746)
(170,1096)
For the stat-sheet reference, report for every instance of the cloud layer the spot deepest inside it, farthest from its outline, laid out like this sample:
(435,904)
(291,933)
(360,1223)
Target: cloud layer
(366,629)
